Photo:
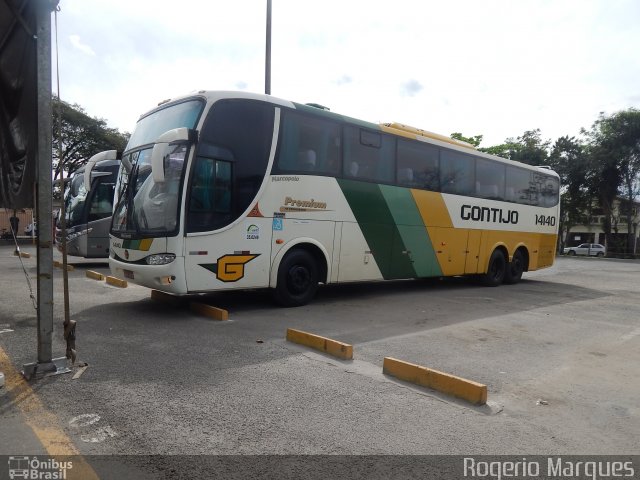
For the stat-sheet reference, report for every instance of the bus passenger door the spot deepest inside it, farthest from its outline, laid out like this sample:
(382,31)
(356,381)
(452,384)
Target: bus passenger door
(473,251)
(221,254)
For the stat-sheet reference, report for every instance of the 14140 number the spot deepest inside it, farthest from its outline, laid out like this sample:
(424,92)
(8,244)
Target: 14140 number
(547,220)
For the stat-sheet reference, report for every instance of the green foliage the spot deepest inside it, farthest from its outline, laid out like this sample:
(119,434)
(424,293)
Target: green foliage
(475,140)
(77,137)
(503,150)
(570,160)
(529,148)
(614,145)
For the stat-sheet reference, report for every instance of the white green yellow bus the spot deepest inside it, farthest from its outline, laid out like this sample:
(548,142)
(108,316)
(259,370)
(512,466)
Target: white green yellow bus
(231,190)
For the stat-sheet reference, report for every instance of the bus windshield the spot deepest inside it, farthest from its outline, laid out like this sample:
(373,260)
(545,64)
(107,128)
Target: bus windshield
(74,200)
(145,207)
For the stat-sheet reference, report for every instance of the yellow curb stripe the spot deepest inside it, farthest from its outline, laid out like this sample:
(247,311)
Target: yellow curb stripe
(468,390)
(324,344)
(94,275)
(45,424)
(209,311)
(116,282)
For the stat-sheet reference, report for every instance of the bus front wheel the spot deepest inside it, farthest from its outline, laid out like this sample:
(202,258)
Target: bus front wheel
(297,279)
(496,271)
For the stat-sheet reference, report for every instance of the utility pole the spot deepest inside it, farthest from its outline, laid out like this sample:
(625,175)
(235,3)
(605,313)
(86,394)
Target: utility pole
(267,60)
(44,198)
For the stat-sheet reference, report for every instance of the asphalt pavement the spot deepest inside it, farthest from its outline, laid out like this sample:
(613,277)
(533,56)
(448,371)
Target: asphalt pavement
(558,352)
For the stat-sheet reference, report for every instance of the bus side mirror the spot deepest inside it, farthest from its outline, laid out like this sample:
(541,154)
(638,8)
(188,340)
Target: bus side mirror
(177,135)
(98,157)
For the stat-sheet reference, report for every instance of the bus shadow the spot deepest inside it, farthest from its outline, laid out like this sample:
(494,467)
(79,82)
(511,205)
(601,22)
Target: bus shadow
(357,312)
(255,333)
(418,294)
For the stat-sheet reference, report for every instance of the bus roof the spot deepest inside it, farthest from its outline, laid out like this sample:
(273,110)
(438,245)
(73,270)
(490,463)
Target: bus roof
(393,128)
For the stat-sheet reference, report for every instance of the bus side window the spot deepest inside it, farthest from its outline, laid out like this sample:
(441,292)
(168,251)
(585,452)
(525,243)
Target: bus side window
(490,178)
(520,181)
(307,160)
(222,204)
(457,173)
(372,152)
(308,144)
(102,202)
(417,165)
(551,192)
(210,198)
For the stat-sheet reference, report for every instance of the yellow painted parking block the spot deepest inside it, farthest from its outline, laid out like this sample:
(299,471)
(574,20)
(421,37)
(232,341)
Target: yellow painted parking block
(116,282)
(94,275)
(324,344)
(468,390)
(209,311)
(58,264)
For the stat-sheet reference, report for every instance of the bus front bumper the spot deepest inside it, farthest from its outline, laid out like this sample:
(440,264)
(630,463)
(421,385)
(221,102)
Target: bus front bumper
(168,278)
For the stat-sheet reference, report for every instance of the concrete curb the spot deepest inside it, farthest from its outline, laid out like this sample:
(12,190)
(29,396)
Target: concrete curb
(209,311)
(473,392)
(94,275)
(116,282)
(324,344)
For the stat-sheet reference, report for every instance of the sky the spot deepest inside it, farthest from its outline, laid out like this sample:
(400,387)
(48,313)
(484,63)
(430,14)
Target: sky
(495,68)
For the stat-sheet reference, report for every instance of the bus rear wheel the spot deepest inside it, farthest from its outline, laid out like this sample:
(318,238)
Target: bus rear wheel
(297,279)
(496,271)
(514,270)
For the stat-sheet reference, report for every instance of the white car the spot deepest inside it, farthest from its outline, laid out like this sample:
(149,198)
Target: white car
(592,249)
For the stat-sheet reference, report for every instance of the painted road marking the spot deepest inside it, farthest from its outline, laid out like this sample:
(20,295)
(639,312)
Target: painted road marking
(98,435)
(45,424)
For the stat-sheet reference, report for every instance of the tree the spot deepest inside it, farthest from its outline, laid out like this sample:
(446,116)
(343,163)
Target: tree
(615,148)
(475,140)
(528,148)
(570,160)
(503,150)
(77,137)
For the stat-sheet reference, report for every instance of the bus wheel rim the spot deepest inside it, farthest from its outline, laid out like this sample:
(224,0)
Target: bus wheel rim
(299,278)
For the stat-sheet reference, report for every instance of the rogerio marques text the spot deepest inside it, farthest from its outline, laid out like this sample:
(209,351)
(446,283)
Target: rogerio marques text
(550,467)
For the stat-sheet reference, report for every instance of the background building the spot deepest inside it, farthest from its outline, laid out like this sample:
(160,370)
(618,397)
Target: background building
(591,230)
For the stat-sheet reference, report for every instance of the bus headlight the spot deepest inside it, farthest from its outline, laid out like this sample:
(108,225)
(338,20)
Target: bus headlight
(160,259)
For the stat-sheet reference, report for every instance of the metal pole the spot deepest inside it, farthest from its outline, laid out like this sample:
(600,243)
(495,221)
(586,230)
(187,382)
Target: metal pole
(267,63)
(44,188)
(44,198)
